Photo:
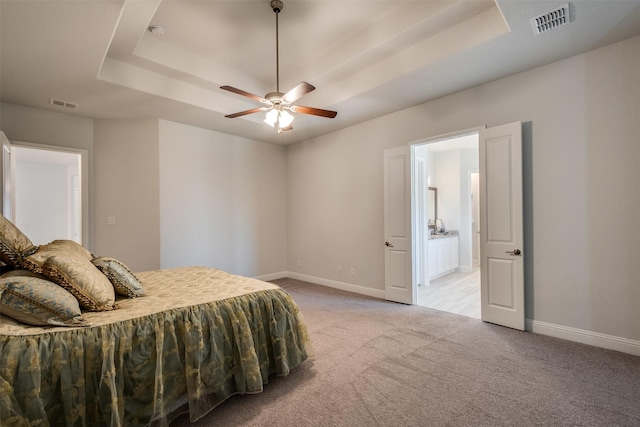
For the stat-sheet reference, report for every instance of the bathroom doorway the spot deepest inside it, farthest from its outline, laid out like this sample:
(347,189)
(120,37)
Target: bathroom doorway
(447,224)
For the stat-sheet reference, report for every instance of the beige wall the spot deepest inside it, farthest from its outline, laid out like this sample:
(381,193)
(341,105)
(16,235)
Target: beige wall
(188,196)
(581,157)
(222,201)
(126,176)
(46,127)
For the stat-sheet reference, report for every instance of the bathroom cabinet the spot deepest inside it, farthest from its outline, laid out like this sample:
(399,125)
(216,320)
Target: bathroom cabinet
(442,255)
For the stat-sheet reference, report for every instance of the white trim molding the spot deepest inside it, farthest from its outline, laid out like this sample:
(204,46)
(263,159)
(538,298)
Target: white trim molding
(273,276)
(596,339)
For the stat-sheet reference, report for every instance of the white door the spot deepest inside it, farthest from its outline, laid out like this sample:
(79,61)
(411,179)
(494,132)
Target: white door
(501,236)
(397,226)
(6,174)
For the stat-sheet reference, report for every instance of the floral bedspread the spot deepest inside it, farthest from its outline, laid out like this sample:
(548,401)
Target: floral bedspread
(198,336)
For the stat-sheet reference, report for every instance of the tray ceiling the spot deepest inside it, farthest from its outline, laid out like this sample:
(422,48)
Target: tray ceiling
(366,58)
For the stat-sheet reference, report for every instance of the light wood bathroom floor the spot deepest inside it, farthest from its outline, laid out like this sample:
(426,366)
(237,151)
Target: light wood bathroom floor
(456,293)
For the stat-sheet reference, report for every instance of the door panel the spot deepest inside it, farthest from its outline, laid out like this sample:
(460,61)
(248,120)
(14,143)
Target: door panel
(501,276)
(397,224)
(498,193)
(501,234)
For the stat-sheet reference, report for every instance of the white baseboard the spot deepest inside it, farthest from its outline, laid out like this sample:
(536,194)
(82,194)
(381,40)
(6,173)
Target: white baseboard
(349,287)
(273,276)
(596,339)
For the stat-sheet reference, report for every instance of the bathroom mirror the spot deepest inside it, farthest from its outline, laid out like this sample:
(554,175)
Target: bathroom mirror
(433,205)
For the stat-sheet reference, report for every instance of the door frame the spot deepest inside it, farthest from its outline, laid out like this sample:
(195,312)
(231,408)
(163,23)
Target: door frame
(419,206)
(6,176)
(415,209)
(473,232)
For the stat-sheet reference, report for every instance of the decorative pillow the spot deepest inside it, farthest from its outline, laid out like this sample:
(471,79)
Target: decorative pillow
(82,279)
(123,280)
(14,245)
(30,298)
(62,248)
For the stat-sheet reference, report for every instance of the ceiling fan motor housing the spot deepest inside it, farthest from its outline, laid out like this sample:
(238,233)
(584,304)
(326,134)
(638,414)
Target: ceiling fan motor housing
(274,97)
(277,6)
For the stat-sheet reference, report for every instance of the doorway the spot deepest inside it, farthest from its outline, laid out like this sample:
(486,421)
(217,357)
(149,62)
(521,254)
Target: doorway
(446,238)
(45,192)
(501,225)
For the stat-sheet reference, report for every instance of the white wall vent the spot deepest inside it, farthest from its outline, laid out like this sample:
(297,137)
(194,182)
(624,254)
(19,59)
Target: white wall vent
(551,20)
(63,103)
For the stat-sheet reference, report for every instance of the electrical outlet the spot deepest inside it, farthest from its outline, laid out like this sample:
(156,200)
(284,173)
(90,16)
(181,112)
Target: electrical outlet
(339,269)
(353,271)
(299,263)
(111,220)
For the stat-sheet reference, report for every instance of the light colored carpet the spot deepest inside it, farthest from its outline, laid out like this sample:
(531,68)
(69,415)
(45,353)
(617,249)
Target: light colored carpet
(379,363)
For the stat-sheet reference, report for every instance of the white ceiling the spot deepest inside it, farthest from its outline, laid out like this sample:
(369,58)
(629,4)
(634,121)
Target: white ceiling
(366,58)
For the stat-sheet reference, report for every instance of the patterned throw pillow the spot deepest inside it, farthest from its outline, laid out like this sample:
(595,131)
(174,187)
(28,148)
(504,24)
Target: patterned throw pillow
(30,298)
(82,279)
(14,245)
(63,248)
(123,280)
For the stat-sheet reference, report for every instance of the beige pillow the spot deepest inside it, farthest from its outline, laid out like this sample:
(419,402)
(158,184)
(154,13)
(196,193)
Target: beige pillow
(82,279)
(123,280)
(61,248)
(14,245)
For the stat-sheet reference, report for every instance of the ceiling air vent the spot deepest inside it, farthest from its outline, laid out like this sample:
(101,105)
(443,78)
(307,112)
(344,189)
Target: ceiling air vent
(63,103)
(551,20)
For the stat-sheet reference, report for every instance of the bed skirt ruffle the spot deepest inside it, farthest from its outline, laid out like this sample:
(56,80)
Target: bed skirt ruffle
(146,370)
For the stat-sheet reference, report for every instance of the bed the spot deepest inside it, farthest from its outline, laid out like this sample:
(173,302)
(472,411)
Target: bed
(193,337)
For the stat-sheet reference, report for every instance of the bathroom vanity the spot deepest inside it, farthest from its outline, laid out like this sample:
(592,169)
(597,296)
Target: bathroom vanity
(442,253)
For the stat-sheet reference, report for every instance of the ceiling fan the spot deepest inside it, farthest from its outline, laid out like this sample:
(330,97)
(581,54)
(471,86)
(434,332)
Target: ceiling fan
(278,104)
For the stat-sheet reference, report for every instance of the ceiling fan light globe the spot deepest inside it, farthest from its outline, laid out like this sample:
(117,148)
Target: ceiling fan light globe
(271,118)
(285,119)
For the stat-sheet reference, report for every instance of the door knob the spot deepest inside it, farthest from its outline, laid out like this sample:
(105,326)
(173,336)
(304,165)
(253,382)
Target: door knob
(387,244)
(514,252)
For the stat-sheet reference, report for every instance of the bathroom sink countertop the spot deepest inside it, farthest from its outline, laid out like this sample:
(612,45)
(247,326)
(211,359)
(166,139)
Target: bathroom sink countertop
(452,233)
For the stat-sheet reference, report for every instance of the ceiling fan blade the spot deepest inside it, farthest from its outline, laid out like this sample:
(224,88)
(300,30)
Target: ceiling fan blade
(244,113)
(297,92)
(314,111)
(243,93)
